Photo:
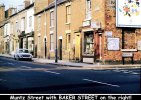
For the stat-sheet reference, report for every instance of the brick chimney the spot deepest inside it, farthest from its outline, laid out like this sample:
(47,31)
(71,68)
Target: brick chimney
(2,12)
(11,11)
(26,3)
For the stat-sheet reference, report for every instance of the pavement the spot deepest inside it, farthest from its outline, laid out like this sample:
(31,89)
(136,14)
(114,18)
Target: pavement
(67,63)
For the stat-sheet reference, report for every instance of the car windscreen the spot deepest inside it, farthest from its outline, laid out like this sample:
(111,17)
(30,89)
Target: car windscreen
(23,51)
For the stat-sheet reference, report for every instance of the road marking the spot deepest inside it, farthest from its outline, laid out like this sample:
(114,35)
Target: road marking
(101,83)
(116,70)
(2,80)
(52,72)
(127,71)
(135,73)
(10,63)
(25,67)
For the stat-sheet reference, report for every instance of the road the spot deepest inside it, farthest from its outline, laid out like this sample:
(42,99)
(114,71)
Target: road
(29,77)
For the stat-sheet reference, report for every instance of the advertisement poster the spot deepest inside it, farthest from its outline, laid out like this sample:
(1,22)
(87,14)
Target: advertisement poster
(128,13)
(139,45)
(113,43)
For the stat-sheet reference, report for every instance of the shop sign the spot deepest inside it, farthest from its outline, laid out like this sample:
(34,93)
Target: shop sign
(86,23)
(128,13)
(127,54)
(113,43)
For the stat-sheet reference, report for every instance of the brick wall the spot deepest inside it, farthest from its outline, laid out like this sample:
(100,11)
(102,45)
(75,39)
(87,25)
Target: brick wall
(131,37)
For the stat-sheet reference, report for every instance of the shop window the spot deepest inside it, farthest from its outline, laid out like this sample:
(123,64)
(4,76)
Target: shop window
(88,43)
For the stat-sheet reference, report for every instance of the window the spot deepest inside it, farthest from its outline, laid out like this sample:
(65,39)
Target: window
(68,41)
(52,19)
(30,44)
(39,45)
(6,29)
(51,42)
(68,14)
(12,28)
(17,26)
(23,24)
(30,21)
(24,43)
(88,9)
(0,32)
(88,43)
(39,23)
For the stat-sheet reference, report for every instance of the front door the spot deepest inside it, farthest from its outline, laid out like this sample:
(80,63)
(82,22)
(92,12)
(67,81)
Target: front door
(77,46)
(60,49)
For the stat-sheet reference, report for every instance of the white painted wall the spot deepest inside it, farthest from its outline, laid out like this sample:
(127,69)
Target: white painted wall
(30,12)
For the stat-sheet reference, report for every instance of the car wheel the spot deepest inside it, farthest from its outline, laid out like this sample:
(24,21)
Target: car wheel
(31,59)
(17,58)
(14,57)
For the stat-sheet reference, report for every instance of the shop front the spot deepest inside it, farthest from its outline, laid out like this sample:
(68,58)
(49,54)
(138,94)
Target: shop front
(88,54)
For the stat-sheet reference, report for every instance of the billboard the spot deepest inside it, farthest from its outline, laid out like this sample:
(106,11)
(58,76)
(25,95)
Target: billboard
(128,13)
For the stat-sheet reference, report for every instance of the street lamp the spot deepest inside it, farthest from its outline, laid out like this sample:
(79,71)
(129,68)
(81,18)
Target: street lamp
(56,57)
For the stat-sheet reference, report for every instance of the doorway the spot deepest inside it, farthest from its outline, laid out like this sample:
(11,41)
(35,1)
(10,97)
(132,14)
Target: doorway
(60,49)
(77,46)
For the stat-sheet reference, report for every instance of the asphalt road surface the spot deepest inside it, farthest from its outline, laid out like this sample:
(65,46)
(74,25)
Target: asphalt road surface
(29,77)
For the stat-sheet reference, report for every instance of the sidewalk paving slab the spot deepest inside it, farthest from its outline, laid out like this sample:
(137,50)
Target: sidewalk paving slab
(67,63)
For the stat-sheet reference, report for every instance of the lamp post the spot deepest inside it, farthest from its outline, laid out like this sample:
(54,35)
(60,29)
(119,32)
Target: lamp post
(56,57)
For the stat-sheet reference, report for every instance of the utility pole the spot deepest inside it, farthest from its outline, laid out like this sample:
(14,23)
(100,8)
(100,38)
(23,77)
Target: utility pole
(56,54)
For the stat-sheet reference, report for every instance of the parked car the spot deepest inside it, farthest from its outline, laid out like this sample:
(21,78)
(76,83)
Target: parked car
(22,54)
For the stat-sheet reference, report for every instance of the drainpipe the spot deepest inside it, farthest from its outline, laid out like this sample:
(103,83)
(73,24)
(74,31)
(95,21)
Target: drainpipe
(45,36)
(56,57)
(100,45)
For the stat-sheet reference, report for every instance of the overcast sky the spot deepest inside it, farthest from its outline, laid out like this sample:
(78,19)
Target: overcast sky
(14,3)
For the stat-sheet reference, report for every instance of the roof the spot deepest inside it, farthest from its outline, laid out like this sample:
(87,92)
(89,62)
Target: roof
(28,7)
(52,5)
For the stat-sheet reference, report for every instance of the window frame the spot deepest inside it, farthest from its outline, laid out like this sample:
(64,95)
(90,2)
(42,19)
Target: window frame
(68,41)
(68,14)
(88,12)
(52,20)
(30,21)
(51,42)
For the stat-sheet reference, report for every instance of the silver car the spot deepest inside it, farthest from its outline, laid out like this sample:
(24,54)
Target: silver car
(22,54)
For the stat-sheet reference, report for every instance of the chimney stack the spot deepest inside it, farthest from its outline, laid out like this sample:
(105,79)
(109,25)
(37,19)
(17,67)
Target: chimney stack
(26,3)
(2,12)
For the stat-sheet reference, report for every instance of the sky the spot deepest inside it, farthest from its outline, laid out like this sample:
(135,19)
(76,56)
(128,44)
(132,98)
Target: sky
(15,3)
